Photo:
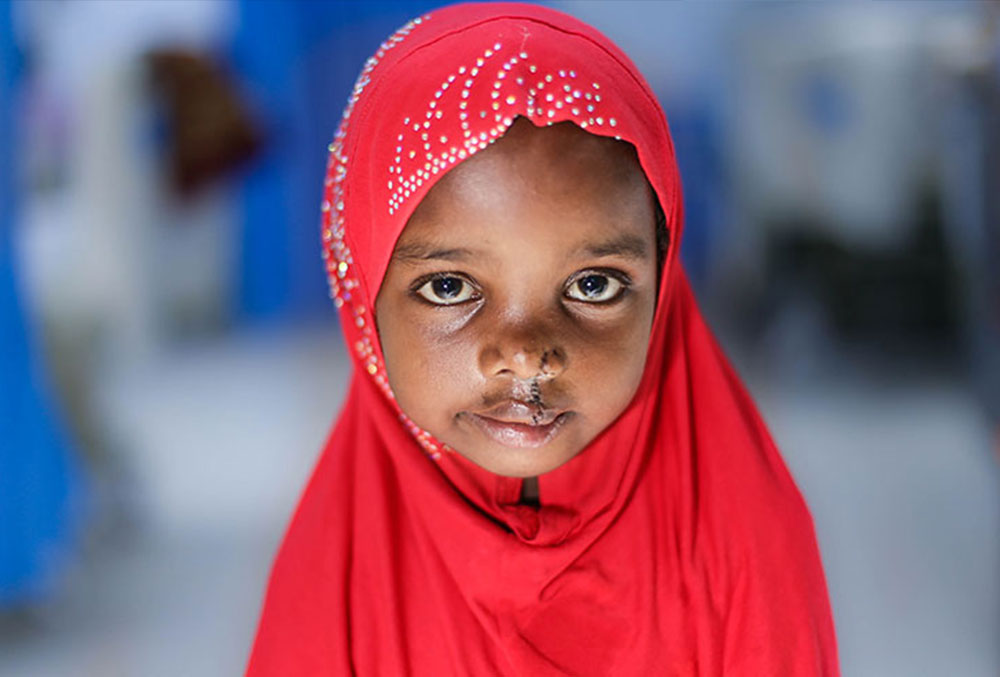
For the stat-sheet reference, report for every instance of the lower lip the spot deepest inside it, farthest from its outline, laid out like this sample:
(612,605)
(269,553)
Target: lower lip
(520,435)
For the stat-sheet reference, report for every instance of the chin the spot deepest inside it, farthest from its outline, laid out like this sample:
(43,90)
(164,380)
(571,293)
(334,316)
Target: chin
(517,462)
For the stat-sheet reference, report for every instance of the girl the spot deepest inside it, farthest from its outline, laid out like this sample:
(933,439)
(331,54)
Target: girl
(544,465)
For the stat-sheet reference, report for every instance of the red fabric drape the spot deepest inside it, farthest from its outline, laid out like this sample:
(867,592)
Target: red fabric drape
(676,543)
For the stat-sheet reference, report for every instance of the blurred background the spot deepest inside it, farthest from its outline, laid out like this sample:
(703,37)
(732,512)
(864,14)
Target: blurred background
(170,363)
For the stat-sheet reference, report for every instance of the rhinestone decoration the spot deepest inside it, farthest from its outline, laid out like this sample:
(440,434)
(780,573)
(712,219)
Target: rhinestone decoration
(337,255)
(421,153)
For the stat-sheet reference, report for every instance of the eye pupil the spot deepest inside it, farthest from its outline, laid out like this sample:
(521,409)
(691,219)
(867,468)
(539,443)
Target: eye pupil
(593,285)
(447,287)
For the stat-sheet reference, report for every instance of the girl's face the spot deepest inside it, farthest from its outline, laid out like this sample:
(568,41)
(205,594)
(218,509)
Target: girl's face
(516,310)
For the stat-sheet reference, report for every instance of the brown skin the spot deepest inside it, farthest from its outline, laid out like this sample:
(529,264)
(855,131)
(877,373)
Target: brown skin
(520,297)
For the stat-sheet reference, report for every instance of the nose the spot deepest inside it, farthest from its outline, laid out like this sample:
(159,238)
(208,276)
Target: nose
(522,353)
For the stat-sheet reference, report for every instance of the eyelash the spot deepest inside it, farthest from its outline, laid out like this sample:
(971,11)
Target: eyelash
(617,276)
(426,280)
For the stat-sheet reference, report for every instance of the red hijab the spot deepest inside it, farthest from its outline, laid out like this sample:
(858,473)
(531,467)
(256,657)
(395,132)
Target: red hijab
(675,543)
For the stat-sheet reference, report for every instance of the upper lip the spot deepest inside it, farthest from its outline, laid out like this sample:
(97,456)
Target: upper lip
(517,411)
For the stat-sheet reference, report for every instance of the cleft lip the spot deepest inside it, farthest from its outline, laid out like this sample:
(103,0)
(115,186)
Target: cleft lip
(519,412)
(516,431)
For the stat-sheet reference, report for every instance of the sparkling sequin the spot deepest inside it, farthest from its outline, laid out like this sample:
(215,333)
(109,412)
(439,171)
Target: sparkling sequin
(336,252)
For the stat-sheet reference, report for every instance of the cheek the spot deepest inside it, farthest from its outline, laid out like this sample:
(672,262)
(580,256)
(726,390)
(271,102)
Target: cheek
(611,357)
(611,363)
(429,367)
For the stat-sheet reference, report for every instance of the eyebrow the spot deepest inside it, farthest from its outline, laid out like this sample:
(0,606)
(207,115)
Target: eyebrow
(626,246)
(424,251)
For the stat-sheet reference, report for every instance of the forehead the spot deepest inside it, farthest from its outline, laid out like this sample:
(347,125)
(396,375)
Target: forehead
(556,179)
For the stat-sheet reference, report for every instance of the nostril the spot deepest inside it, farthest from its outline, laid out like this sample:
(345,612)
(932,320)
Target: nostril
(543,365)
(550,364)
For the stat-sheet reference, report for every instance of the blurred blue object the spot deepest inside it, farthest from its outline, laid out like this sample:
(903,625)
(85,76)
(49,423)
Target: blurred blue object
(299,60)
(827,104)
(696,134)
(39,482)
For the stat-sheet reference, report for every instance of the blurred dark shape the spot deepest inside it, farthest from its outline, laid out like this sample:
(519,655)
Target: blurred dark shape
(971,176)
(890,298)
(209,130)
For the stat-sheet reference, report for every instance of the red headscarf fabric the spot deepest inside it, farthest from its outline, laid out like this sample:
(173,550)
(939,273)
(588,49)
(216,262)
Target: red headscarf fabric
(676,543)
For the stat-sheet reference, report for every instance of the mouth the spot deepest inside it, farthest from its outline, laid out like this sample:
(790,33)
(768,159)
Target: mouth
(520,425)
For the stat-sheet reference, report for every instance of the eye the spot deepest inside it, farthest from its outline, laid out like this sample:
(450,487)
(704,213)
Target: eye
(594,287)
(446,290)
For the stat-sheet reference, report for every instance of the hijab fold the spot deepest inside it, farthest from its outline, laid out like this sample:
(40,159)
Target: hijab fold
(676,543)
